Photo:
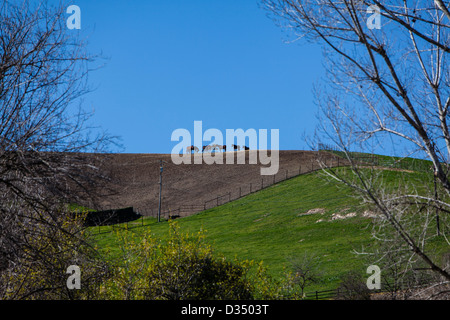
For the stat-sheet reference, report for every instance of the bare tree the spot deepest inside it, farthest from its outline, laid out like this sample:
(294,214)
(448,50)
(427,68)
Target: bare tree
(44,133)
(385,86)
(305,271)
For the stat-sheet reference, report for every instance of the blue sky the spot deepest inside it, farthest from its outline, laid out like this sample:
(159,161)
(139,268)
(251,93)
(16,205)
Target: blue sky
(169,63)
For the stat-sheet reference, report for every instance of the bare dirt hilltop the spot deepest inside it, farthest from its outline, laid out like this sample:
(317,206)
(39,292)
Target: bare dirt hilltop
(189,188)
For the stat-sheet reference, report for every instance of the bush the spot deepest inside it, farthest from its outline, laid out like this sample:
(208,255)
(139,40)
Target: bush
(48,243)
(182,268)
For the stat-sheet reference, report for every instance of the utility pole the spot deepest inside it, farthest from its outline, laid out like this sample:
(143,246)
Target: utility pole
(160,188)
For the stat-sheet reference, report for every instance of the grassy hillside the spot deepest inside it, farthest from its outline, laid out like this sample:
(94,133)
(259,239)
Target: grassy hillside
(407,163)
(297,216)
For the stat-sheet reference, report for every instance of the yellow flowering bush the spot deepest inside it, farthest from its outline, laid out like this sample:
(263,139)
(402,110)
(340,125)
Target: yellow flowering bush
(183,267)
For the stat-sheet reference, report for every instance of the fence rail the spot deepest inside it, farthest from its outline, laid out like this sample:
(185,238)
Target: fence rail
(387,287)
(322,295)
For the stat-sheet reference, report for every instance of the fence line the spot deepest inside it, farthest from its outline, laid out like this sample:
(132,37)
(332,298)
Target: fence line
(385,285)
(322,295)
(327,147)
(404,163)
(243,190)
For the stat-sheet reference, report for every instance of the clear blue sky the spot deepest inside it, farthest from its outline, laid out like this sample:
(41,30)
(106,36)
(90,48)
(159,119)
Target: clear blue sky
(171,62)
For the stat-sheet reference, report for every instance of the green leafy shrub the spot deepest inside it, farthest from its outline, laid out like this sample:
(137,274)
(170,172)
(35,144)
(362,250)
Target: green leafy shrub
(183,267)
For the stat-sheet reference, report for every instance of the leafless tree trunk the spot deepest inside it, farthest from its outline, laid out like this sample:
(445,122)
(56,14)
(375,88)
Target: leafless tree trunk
(384,86)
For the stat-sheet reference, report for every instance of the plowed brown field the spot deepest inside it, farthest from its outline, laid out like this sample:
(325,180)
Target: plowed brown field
(136,180)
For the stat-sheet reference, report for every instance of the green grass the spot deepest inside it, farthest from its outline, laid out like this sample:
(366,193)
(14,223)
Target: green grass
(269,226)
(406,163)
(73,207)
